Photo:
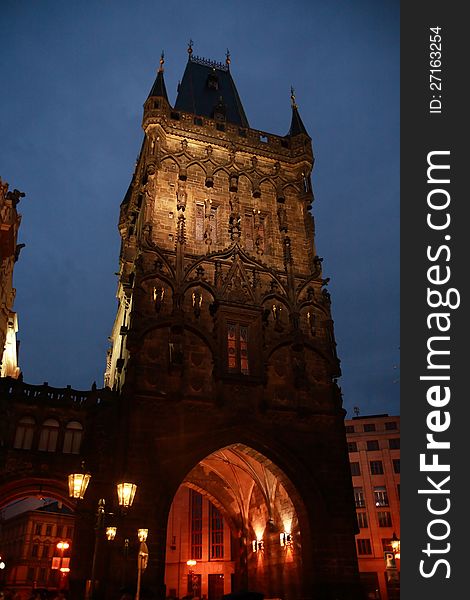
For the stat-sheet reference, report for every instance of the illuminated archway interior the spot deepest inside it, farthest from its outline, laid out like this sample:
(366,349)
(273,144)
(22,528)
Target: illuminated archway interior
(233,516)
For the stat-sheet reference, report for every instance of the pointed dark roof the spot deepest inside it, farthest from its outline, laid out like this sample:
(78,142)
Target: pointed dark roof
(206,84)
(54,507)
(159,88)
(296,125)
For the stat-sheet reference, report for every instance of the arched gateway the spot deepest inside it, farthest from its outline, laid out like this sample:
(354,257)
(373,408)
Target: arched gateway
(221,401)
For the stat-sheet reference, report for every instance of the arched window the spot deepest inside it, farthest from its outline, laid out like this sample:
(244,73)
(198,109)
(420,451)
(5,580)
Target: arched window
(24,433)
(73,437)
(49,435)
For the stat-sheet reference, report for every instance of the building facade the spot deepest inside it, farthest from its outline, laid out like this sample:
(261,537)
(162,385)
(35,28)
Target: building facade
(29,544)
(374,454)
(221,390)
(10,221)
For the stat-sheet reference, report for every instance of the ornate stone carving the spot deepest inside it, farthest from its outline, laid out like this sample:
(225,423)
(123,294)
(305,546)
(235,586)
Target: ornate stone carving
(282,217)
(181,195)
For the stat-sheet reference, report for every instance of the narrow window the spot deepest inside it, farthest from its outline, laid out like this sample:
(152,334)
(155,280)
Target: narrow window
(199,221)
(384,519)
(355,469)
(359,497)
(372,445)
(24,433)
(363,546)
(49,435)
(394,443)
(390,425)
(217,532)
(369,427)
(73,437)
(352,447)
(362,520)
(237,348)
(380,496)
(196,524)
(396,465)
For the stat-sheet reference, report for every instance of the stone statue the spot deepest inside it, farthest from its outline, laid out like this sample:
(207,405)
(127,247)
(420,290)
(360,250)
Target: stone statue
(282,216)
(181,195)
(149,189)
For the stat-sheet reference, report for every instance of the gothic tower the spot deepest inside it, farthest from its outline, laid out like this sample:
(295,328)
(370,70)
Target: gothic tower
(223,354)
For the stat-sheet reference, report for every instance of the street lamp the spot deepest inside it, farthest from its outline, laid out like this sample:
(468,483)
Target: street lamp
(142,558)
(62,546)
(395,543)
(126,492)
(78,483)
(193,580)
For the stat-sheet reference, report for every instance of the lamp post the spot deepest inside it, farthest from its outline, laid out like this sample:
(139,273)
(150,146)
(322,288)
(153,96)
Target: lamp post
(78,483)
(192,577)
(390,564)
(142,558)
(395,543)
(62,546)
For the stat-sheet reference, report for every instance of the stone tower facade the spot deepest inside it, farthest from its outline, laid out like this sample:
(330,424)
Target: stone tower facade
(223,355)
(10,221)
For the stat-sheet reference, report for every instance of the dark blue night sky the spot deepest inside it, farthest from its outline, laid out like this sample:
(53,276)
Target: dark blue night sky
(74,78)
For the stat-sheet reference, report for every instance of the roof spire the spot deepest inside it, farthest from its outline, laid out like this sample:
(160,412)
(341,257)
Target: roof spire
(159,89)
(296,125)
(227,58)
(190,47)
(292,97)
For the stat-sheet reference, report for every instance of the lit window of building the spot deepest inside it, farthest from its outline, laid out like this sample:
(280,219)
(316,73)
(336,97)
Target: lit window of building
(237,348)
(359,497)
(380,496)
(377,486)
